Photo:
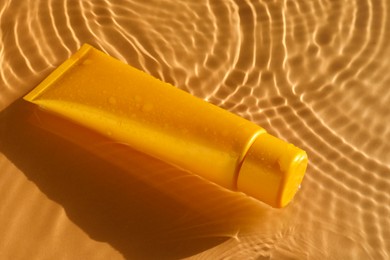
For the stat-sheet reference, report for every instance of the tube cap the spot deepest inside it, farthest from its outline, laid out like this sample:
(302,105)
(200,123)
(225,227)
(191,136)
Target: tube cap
(272,170)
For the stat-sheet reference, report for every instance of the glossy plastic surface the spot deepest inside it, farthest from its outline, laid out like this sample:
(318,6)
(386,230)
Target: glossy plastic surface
(129,106)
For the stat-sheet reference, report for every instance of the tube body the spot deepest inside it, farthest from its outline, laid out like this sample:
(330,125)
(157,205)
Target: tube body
(96,91)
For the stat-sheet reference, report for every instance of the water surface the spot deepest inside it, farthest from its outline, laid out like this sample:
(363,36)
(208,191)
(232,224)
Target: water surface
(315,73)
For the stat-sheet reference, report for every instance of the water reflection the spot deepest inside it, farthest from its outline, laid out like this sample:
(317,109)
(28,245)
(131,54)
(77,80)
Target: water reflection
(311,72)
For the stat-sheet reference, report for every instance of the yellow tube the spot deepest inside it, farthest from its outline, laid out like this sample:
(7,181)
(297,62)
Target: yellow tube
(126,105)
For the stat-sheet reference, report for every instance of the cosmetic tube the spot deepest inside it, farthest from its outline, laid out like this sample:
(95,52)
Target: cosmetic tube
(96,91)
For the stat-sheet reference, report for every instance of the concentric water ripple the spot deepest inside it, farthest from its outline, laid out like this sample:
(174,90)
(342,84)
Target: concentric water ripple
(315,73)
